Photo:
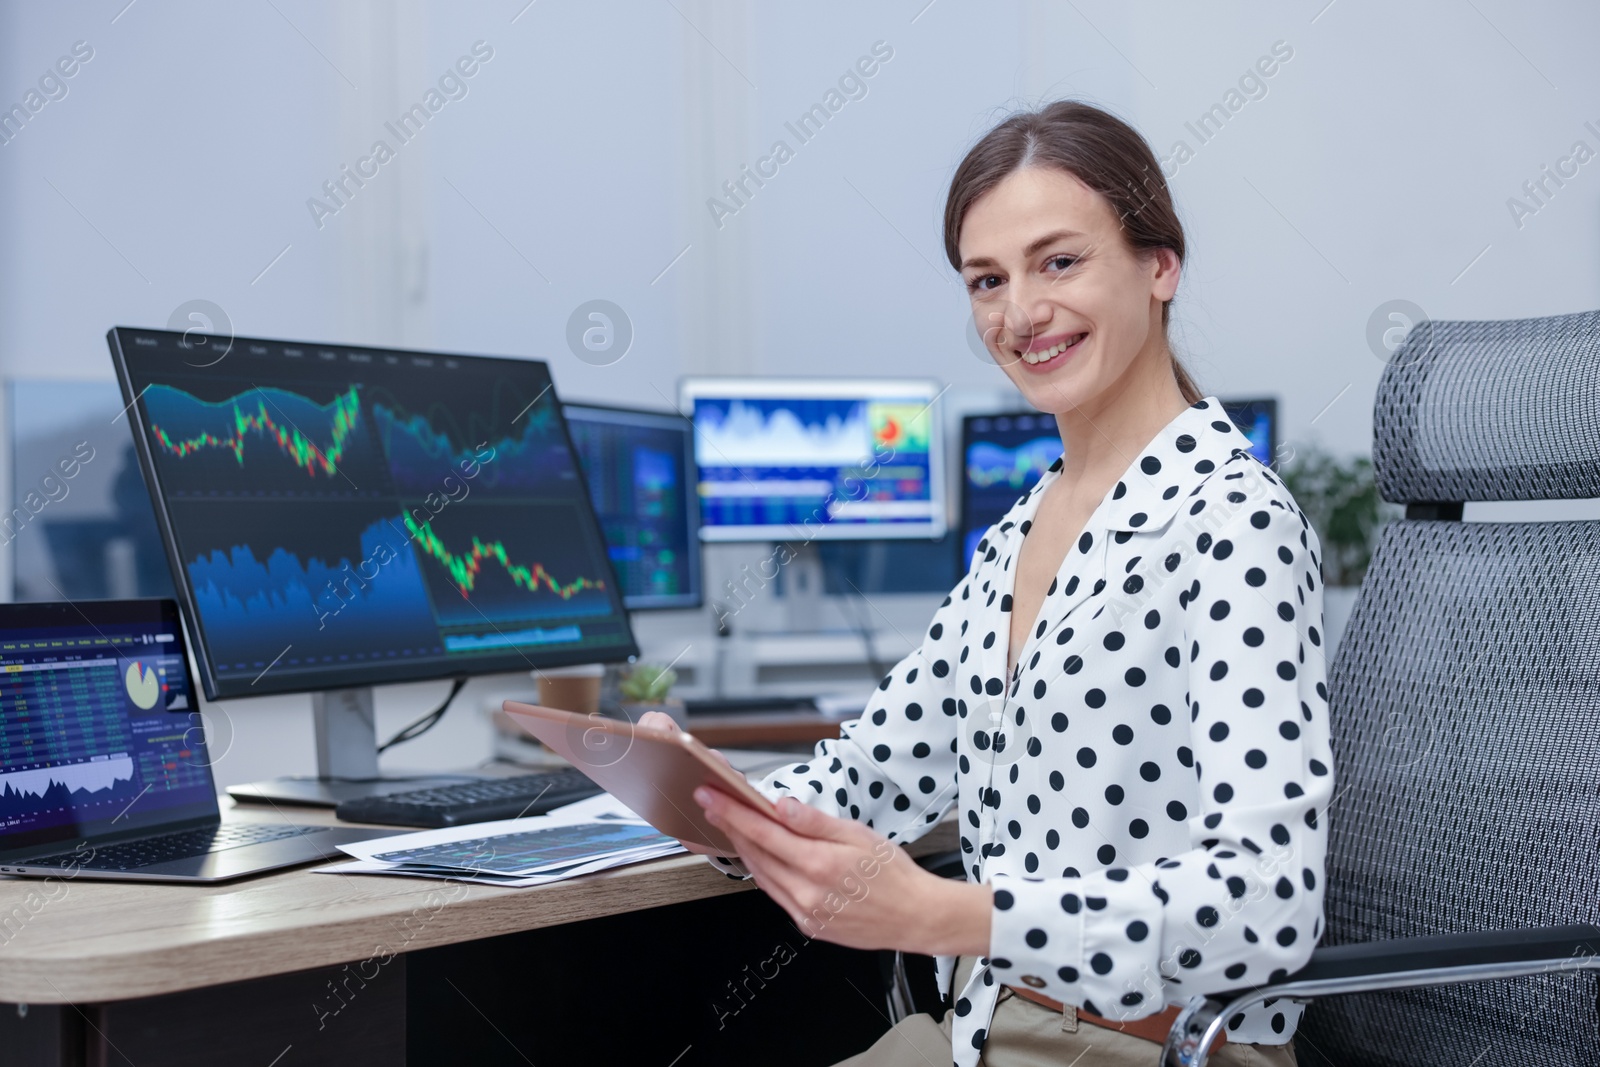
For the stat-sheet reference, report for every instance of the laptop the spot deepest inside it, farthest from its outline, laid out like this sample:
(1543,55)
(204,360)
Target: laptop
(104,769)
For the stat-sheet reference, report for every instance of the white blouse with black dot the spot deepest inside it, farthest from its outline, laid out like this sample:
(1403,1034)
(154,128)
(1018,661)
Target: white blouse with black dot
(1147,793)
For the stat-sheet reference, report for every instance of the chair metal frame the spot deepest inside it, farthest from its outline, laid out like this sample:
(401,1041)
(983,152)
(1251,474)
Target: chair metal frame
(1401,963)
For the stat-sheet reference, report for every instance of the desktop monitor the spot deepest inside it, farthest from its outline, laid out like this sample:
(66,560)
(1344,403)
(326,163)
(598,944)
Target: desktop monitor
(338,517)
(1002,456)
(809,459)
(640,469)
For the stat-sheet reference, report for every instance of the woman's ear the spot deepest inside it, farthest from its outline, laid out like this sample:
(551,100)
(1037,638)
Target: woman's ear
(1167,268)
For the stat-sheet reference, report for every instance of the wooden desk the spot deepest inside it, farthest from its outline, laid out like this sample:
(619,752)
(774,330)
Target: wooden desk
(90,945)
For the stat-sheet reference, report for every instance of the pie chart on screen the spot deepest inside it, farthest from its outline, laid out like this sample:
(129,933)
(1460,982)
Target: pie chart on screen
(143,687)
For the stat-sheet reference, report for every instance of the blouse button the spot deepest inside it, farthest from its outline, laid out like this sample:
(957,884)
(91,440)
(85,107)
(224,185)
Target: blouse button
(1033,980)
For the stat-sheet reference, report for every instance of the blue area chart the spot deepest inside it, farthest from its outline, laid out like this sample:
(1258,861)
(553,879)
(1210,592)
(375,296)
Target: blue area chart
(27,794)
(992,466)
(318,611)
(782,433)
(421,456)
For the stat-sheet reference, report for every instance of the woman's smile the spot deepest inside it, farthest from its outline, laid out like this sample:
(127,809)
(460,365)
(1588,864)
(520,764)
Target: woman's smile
(1045,353)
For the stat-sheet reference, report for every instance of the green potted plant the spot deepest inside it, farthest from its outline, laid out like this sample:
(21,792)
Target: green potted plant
(645,687)
(1340,498)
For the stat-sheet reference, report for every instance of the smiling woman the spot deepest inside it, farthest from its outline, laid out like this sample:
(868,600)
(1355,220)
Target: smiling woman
(1141,790)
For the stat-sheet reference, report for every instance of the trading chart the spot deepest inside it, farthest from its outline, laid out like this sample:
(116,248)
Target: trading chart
(261,441)
(637,468)
(1002,457)
(514,448)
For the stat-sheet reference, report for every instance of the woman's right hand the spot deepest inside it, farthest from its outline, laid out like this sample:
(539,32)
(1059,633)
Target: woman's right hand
(661,721)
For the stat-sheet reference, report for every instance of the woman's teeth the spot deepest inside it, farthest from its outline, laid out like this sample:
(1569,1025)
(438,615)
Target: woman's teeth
(1051,353)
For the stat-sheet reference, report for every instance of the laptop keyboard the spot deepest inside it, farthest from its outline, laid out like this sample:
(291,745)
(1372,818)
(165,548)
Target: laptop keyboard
(131,855)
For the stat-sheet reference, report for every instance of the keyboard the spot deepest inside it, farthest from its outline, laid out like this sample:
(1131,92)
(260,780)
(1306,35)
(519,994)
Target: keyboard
(736,705)
(184,844)
(466,802)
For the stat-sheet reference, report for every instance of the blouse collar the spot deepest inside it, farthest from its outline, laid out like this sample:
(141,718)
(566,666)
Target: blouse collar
(1158,482)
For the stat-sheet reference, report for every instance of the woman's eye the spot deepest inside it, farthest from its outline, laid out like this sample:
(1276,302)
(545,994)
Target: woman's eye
(1061,262)
(987,281)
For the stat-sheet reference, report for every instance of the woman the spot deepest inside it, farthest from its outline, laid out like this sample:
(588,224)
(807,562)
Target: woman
(1124,696)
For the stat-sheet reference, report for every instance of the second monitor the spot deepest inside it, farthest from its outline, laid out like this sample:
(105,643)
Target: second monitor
(640,469)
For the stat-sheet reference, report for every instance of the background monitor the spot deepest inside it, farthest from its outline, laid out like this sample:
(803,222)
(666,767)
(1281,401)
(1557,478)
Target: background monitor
(640,468)
(79,523)
(1002,456)
(1258,419)
(341,517)
(807,459)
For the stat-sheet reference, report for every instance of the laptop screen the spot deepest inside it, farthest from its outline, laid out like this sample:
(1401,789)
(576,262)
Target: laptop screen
(99,727)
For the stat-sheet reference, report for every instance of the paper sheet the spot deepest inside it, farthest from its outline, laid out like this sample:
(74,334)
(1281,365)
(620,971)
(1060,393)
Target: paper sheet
(590,835)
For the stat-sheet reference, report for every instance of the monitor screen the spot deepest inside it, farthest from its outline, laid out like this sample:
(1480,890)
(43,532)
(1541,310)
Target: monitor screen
(99,729)
(1002,456)
(1258,420)
(640,467)
(784,459)
(340,516)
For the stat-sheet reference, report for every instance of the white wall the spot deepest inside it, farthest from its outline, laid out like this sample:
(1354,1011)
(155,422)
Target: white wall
(1377,166)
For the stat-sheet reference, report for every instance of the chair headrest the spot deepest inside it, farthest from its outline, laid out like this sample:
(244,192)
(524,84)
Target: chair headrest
(1499,410)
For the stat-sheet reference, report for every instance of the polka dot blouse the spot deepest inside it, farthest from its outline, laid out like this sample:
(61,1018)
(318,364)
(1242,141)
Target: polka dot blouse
(1147,792)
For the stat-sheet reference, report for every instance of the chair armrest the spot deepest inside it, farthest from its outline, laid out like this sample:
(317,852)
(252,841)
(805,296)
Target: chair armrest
(945,864)
(1527,951)
(1400,963)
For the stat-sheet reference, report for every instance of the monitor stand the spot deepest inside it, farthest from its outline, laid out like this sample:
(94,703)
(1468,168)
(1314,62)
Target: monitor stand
(347,759)
(803,590)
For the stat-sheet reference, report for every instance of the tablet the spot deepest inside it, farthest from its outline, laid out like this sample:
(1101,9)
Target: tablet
(653,771)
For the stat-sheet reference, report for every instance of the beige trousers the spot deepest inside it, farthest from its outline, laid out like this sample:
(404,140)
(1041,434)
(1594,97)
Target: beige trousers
(1025,1034)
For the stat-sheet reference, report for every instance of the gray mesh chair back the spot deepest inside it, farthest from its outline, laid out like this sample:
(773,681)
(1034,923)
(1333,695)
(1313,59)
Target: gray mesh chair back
(1465,699)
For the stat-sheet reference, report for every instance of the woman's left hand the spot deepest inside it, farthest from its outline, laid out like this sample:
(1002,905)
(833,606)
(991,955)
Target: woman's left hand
(843,882)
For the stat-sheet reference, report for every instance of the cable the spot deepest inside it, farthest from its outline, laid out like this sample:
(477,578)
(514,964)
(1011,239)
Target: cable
(415,729)
(860,621)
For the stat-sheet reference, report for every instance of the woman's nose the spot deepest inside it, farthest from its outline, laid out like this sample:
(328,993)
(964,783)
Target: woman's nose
(1016,323)
(1027,316)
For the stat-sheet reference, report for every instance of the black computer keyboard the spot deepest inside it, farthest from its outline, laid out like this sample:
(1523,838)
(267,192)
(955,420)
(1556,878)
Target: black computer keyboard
(131,855)
(467,802)
(737,705)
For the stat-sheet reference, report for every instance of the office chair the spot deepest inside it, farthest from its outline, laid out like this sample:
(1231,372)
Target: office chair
(1463,874)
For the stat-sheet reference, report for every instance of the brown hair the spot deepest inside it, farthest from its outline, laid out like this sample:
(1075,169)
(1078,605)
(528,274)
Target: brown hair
(1101,151)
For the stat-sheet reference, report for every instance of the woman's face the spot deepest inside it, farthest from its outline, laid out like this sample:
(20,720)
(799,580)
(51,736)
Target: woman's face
(1062,302)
